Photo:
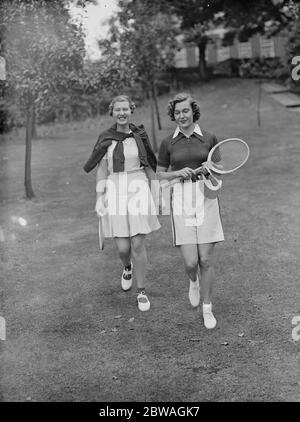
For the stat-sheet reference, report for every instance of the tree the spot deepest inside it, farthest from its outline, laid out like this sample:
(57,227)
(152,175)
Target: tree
(196,18)
(268,17)
(42,48)
(198,35)
(258,16)
(117,66)
(141,44)
(243,18)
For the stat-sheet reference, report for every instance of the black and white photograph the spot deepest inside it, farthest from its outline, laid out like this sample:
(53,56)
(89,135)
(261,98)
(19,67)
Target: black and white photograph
(149,204)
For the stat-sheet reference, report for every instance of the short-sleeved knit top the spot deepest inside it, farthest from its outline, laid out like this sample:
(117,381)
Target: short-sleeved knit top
(131,155)
(178,151)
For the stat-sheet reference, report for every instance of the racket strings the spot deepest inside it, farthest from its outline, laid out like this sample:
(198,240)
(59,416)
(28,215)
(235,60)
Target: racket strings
(229,155)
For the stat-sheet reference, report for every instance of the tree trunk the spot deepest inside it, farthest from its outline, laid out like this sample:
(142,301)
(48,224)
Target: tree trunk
(33,129)
(145,88)
(90,111)
(202,61)
(156,106)
(153,134)
(70,113)
(258,102)
(27,183)
(56,117)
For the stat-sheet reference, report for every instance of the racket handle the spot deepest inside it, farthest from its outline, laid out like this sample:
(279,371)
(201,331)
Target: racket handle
(211,186)
(101,235)
(204,170)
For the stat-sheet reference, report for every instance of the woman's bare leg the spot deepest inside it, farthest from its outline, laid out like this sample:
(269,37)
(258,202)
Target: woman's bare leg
(139,254)
(205,252)
(124,249)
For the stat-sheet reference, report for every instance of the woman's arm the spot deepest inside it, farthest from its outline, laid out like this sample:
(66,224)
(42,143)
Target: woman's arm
(210,174)
(163,173)
(150,173)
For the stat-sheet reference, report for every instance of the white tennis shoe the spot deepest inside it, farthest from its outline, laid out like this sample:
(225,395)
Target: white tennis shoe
(208,317)
(194,293)
(143,302)
(126,279)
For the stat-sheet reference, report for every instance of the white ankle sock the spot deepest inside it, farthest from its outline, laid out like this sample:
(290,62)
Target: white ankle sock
(207,307)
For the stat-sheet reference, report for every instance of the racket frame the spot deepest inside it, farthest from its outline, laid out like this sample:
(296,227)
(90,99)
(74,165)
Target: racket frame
(210,166)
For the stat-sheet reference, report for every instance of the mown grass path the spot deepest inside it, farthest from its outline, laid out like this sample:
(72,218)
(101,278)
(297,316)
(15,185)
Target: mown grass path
(73,335)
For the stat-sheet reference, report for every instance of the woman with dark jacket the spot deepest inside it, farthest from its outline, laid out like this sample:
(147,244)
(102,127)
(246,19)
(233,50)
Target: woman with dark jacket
(125,163)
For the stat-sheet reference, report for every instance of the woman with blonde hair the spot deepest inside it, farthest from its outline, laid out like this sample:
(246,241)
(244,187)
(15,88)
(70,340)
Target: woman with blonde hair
(125,163)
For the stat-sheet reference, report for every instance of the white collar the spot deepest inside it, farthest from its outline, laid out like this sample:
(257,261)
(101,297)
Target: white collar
(196,130)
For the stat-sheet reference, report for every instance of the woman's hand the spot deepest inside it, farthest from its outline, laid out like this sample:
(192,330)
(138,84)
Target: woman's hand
(100,206)
(203,170)
(185,173)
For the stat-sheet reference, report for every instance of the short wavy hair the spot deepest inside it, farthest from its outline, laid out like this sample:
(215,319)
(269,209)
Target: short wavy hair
(183,96)
(121,98)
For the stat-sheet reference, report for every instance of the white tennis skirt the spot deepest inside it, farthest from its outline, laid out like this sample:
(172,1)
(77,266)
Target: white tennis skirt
(195,214)
(130,206)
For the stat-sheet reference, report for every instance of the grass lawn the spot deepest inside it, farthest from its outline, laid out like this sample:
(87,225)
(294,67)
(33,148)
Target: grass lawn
(73,335)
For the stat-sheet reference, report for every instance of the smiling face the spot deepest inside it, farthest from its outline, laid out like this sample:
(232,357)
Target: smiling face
(122,113)
(183,114)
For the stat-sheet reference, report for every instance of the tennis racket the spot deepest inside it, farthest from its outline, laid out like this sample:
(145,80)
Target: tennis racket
(224,158)
(101,236)
(100,213)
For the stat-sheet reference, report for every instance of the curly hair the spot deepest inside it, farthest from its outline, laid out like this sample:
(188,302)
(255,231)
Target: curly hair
(121,98)
(178,99)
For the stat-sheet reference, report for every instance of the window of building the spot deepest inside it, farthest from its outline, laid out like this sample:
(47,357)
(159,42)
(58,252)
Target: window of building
(244,50)
(181,58)
(267,48)
(223,53)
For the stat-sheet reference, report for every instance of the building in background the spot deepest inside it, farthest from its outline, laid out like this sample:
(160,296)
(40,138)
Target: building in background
(256,47)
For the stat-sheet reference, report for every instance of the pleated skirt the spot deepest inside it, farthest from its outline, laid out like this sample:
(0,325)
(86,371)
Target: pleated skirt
(130,207)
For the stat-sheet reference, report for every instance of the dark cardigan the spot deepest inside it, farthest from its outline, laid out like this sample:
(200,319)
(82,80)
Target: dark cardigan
(146,154)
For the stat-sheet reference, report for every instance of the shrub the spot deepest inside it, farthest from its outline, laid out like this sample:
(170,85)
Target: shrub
(229,67)
(267,68)
(293,49)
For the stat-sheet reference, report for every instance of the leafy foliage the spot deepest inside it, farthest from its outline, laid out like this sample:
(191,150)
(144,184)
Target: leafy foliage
(267,68)
(141,44)
(243,18)
(42,50)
